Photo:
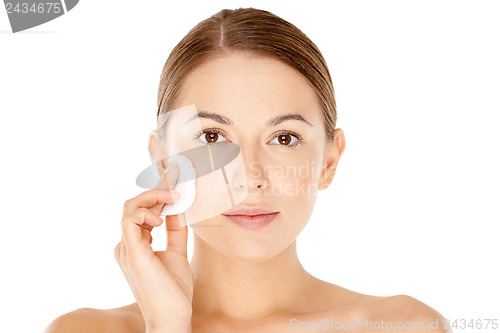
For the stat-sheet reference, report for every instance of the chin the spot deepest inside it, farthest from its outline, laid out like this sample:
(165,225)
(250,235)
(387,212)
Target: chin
(242,245)
(251,254)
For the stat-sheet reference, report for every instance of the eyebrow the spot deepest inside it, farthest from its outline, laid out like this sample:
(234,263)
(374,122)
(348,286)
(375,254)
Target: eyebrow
(290,116)
(226,121)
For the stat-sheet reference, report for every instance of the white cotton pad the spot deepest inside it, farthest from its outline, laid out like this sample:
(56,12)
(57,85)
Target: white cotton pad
(185,186)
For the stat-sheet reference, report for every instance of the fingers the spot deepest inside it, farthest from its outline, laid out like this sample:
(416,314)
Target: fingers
(137,215)
(150,199)
(133,225)
(146,234)
(176,235)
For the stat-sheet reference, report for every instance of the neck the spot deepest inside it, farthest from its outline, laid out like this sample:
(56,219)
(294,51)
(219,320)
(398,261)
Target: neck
(246,290)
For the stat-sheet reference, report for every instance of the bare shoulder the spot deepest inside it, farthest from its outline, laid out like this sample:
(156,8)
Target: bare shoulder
(400,313)
(126,319)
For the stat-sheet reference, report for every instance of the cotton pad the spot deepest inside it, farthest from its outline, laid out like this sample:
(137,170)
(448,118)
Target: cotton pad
(185,186)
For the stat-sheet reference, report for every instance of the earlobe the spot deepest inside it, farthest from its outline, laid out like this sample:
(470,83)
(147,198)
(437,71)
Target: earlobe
(327,176)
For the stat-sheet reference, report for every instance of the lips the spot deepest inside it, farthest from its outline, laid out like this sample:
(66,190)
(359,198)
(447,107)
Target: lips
(250,211)
(251,217)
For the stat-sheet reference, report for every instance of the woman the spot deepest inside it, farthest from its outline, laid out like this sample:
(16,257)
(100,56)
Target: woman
(265,86)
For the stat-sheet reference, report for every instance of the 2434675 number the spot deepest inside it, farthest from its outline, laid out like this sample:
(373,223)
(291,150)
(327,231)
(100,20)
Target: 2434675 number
(36,8)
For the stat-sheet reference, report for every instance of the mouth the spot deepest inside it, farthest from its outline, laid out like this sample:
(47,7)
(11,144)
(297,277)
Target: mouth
(252,221)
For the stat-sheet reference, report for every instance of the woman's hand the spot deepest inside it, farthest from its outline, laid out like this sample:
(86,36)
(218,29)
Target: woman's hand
(161,281)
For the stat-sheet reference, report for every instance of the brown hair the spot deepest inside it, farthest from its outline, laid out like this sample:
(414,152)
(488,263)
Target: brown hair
(252,31)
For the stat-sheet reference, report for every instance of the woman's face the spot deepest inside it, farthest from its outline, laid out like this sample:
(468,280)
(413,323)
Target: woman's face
(283,160)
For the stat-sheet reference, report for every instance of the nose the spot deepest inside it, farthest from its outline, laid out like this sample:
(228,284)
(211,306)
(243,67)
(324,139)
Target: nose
(252,175)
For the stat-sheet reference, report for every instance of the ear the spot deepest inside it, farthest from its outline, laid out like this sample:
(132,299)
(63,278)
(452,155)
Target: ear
(333,151)
(157,151)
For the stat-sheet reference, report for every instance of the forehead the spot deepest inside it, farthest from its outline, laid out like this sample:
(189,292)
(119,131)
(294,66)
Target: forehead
(241,82)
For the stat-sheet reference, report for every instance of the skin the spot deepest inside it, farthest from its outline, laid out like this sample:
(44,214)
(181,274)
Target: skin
(252,280)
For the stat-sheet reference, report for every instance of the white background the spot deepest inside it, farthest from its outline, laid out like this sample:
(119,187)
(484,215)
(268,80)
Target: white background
(414,207)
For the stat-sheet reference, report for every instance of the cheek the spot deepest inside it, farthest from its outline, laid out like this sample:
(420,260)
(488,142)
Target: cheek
(296,181)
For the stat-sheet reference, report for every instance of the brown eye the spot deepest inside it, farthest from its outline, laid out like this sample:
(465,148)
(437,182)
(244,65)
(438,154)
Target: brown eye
(287,140)
(211,137)
(284,139)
